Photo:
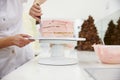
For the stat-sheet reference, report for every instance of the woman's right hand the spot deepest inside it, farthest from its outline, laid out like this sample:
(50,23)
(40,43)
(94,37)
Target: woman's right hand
(20,40)
(35,12)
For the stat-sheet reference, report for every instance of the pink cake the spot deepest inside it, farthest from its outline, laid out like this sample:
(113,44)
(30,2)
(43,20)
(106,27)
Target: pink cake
(56,28)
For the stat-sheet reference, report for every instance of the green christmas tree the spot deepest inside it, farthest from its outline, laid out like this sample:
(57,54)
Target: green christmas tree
(88,31)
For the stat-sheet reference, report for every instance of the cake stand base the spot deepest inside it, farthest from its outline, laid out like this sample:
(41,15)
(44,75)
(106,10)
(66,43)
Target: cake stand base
(58,61)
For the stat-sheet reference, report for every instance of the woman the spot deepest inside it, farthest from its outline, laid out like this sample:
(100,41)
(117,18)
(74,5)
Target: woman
(14,48)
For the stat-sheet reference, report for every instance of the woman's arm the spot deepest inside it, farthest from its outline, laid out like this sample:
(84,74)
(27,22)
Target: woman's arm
(5,42)
(19,40)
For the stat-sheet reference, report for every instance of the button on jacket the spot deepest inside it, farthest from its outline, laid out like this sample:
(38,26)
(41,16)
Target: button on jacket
(11,24)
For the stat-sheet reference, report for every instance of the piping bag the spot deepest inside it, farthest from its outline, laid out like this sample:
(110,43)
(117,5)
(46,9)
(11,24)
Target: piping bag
(39,3)
(38,23)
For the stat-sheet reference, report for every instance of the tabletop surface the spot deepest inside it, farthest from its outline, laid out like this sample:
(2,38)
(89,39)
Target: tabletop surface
(104,73)
(32,70)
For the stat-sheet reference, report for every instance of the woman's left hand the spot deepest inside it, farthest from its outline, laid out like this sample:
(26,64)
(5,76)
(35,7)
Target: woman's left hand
(35,12)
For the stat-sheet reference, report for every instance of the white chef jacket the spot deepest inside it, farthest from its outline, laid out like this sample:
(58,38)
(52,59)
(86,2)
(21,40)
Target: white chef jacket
(11,24)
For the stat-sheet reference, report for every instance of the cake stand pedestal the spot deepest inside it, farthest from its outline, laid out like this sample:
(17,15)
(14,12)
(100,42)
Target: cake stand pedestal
(57,57)
(57,51)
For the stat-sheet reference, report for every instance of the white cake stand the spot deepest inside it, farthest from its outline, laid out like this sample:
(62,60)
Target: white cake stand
(57,51)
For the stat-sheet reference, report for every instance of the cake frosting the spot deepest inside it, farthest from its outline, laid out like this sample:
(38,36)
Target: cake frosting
(56,28)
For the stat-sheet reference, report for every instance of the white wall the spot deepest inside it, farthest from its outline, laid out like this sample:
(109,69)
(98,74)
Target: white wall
(112,6)
(77,9)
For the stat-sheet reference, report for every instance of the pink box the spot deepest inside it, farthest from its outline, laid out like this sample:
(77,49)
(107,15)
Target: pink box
(108,53)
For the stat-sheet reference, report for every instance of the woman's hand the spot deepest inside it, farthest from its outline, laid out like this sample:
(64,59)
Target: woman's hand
(20,40)
(35,12)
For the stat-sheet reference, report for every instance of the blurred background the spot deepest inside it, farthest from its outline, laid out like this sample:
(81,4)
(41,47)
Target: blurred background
(103,11)
(75,9)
